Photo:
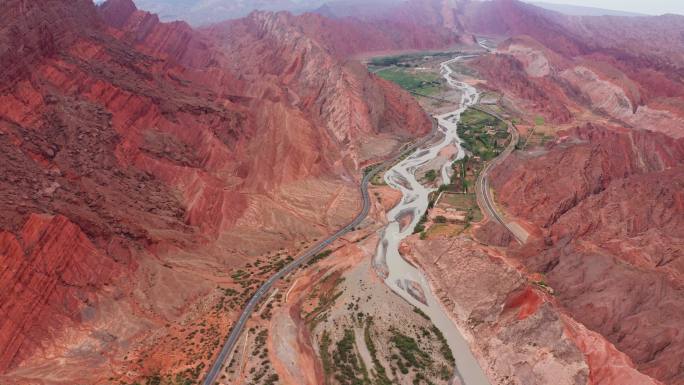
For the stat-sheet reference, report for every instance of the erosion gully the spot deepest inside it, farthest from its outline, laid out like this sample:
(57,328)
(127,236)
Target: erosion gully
(402,277)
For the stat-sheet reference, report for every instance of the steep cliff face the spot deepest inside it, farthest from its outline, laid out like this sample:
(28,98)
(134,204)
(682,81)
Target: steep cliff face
(351,103)
(284,70)
(506,72)
(51,273)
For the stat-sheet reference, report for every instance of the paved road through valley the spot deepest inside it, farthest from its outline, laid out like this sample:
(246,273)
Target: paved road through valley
(236,331)
(483,192)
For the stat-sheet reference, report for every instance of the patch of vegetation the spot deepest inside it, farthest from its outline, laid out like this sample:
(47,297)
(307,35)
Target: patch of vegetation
(541,283)
(228,299)
(369,169)
(440,219)
(158,379)
(444,372)
(539,120)
(239,275)
(424,83)
(483,135)
(460,176)
(406,60)
(444,346)
(318,257)
(410,352)
(380,375)
(420,226)
(431,175)
(385,61)
(346,366)
(272,379)
(326,299)
(260,341)
(324,349)
(262,372)
(421,313)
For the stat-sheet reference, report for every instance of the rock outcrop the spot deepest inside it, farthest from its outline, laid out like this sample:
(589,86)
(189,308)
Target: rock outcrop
(515,329)
(610,203)
(51,272)
(505,72)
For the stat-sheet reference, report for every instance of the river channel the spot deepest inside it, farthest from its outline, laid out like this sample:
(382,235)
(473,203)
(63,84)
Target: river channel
(402,277)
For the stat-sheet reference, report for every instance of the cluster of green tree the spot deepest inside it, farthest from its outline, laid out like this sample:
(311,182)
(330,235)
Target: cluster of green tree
(420,226)
(380,376)
(318,257)
(411,355)
(431,175)
(348,367)
(474,129)
(444,346)
(386,61)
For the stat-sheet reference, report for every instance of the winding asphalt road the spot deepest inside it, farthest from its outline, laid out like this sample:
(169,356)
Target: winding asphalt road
(237,329)
(484,194)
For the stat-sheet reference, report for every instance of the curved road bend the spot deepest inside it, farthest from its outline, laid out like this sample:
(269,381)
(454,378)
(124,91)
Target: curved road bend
(484,194)
(236,331)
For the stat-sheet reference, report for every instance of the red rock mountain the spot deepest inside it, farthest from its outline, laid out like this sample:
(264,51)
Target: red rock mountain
(142,162)
(606,197)
(139,159)
(609,204)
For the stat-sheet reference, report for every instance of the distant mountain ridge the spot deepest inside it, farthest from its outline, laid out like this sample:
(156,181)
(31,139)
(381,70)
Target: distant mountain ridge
(579,10)
(203,12)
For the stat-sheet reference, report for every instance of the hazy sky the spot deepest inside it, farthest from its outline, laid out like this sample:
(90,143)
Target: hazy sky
(650,7)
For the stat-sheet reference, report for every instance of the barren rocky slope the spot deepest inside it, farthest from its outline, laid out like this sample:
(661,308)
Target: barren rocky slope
(609,206)
(604,197)
(144,163)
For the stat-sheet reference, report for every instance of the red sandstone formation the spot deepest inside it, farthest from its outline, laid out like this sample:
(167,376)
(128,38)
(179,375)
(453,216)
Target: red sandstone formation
(51,273)
(505,72)
(132,148)
(610,202)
